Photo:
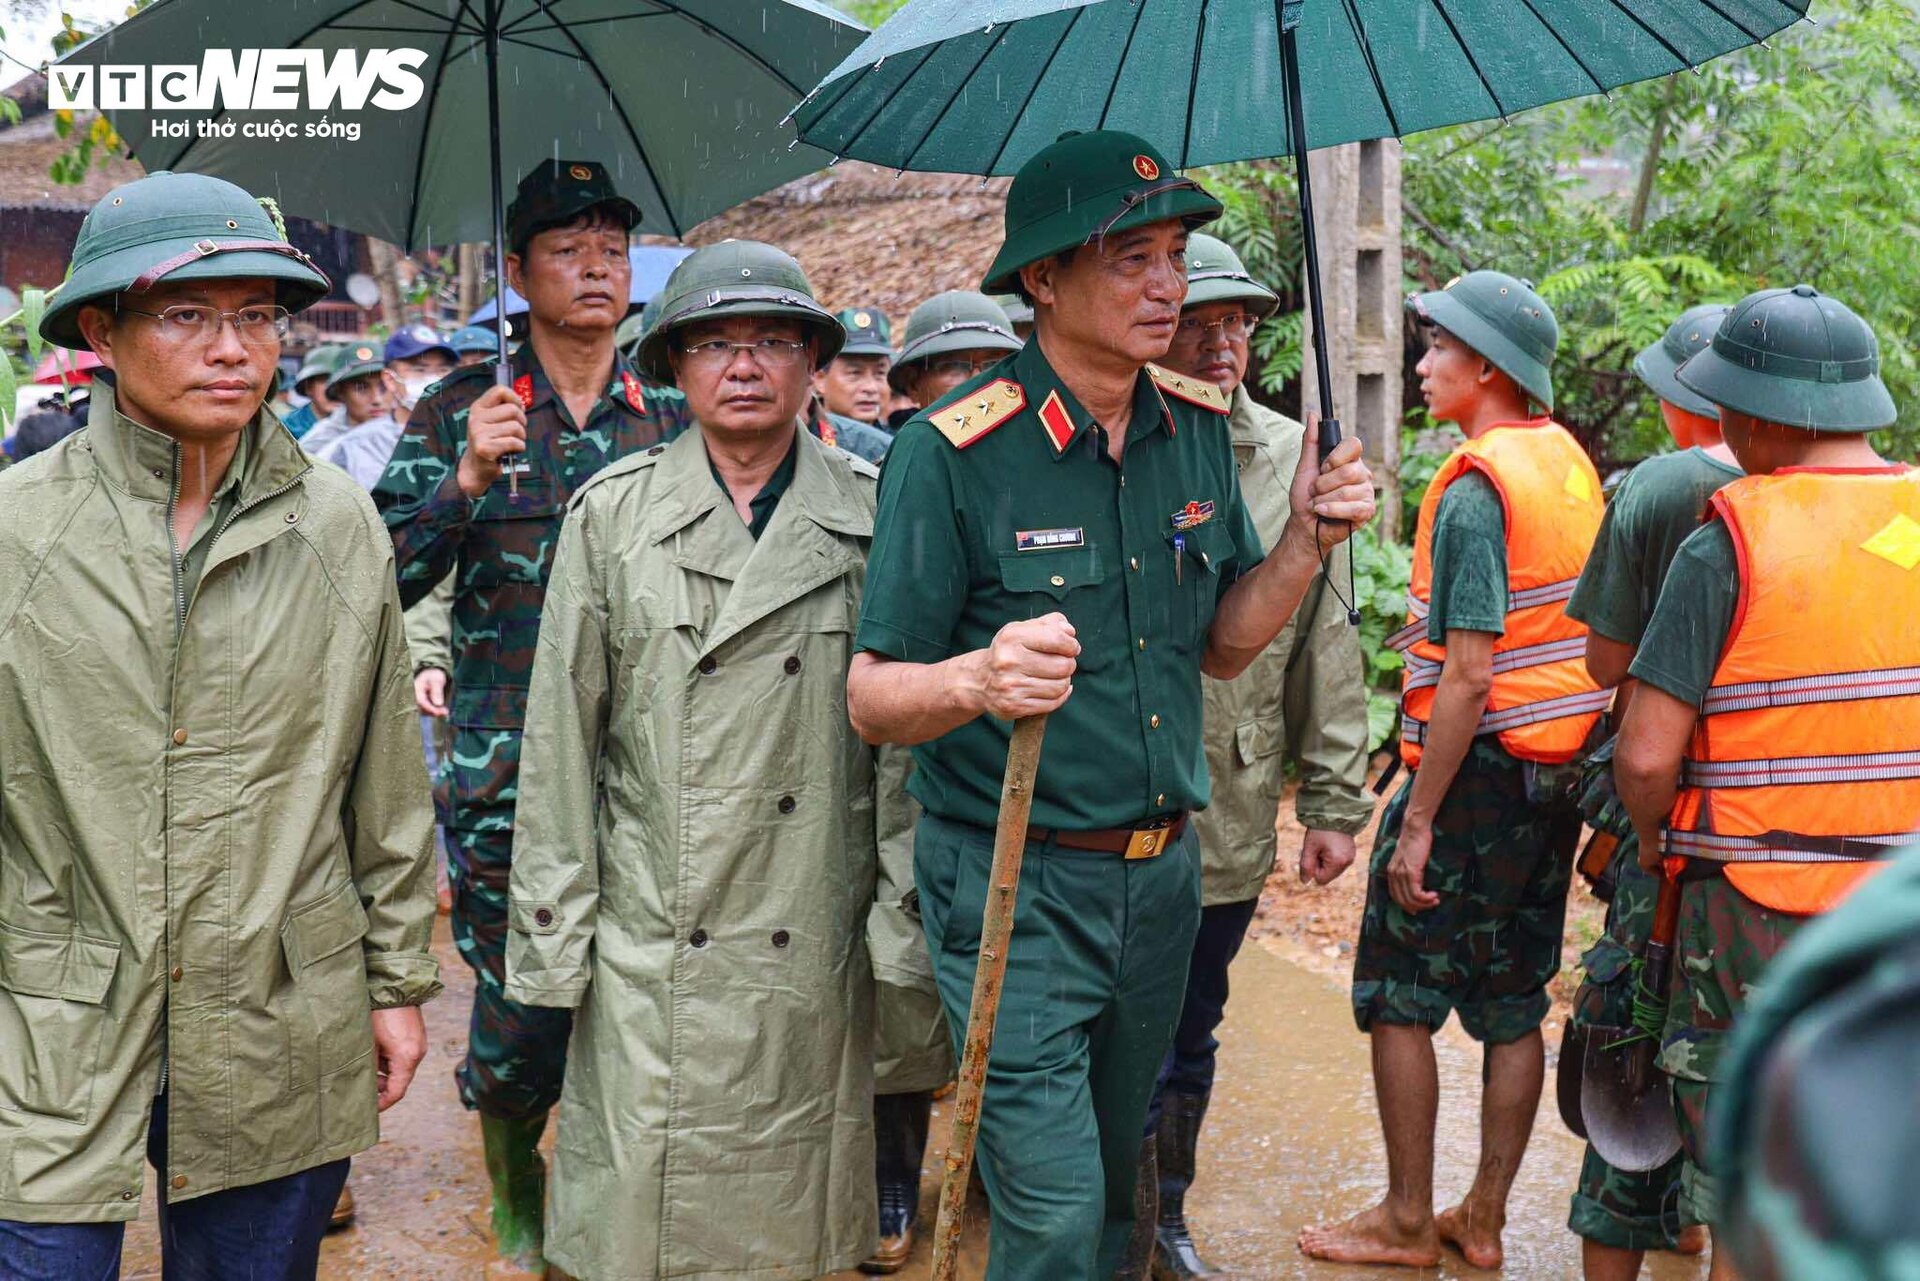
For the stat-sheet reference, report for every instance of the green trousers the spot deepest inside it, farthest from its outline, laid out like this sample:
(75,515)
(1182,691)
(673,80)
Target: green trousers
(1096,974)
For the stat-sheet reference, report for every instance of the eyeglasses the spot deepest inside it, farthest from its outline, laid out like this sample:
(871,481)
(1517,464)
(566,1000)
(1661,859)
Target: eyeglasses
(768,353)
(1235,327)
(960,367)
(192,322)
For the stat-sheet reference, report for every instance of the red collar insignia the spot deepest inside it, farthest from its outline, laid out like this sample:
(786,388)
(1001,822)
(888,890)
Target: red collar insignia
(523,388)
(1057,422)
(828,435)
(636,398)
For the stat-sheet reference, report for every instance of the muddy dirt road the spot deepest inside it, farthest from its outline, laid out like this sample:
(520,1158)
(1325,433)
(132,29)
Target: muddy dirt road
(1292,1139)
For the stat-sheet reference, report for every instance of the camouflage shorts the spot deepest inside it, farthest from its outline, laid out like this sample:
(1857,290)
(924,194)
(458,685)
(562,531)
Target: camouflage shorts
(1500,863)
(1725,943)
(1629,1211)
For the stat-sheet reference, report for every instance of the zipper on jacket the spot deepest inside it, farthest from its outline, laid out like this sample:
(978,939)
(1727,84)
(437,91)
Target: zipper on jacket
(179,565)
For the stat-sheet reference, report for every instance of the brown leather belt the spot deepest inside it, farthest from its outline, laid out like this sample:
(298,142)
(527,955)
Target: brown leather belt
(1149,840)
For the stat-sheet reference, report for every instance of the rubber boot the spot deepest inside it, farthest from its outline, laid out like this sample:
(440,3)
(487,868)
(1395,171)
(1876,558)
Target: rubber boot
(1136,1263)
(518,1174)
(1175,1258)
(899,1146)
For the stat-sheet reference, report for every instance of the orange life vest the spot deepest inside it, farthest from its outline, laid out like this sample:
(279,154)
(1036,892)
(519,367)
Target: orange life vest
(1805,762)
(1543,704)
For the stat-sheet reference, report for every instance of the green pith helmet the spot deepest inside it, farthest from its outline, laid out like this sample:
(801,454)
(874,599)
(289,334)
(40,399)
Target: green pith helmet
(1018,309)
(1502,318)
(176,226)
(1812,1123)
(356,361)
(735,278)
(318,364)
(958,320)
(1686,337)
(869,332)
(1795,357)
(632,327)
(471,338)
(1086,186)
(1216,274)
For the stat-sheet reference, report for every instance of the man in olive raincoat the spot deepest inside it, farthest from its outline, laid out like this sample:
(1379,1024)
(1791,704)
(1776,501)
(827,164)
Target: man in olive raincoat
(694,863)
(215,878)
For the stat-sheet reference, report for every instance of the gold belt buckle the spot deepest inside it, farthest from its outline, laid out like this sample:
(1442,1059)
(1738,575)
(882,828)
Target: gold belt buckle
(1147,843)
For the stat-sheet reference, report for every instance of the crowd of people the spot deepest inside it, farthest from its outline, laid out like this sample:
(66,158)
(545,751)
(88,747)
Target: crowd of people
(714,623)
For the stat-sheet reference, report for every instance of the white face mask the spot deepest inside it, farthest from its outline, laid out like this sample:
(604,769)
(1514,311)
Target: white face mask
(411,389)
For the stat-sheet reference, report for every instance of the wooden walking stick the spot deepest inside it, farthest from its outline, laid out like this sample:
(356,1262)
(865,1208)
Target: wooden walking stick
(996,930)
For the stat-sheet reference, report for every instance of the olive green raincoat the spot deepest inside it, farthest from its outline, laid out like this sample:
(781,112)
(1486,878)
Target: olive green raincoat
(1305,697)
(912,1050)
(214,822)
(693,870)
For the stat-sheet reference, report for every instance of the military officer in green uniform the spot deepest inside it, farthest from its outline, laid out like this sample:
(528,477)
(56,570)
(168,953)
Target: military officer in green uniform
(951,337)
(571,406)
(694,866)
(1065,534)
(1620,1215)
(1304,699)
(854,383)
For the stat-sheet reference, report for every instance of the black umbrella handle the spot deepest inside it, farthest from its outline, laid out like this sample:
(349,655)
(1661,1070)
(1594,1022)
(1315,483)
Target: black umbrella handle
(1309,242)
(502,375)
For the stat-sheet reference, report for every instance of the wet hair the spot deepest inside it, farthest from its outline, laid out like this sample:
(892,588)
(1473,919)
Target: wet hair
(593,217)
(40,431)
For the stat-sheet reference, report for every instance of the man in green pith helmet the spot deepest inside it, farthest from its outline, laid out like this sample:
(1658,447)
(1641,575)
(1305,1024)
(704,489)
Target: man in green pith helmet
(216,905)
(572,405)
(850,391)
(694,866)
(311,382)
(1619,1215)
(1065,535)
(1772,746)
(361,397)
(1303,700)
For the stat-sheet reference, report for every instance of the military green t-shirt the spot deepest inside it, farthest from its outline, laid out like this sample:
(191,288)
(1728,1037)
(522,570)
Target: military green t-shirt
(1469,560)
(768,499)
(1693,618)
(1033,516)
(1657,506)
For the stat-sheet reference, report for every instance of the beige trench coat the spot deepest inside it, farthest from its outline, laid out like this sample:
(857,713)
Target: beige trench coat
(693,869)
(217,828)
(1305,697)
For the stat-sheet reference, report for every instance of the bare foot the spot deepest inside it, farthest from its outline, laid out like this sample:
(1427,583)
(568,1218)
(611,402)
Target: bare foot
(1373,1237)
(1691,1241)
(1475,1233)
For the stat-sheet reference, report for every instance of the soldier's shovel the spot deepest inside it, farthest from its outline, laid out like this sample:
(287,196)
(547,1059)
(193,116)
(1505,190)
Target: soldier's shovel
(1625,1100)
(996,931)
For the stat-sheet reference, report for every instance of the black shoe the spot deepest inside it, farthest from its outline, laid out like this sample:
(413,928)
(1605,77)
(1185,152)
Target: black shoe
(899,1144)
(1175,1258)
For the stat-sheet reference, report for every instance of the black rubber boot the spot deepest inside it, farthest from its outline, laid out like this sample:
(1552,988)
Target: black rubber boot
(1138,1260)
(899,1146)
(1175,1258)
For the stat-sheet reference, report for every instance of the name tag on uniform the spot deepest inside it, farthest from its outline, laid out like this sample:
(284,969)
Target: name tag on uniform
(516,464)
(1036,540)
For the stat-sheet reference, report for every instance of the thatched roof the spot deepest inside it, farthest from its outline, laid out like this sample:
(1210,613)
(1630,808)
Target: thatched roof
(869,239)
(30,147)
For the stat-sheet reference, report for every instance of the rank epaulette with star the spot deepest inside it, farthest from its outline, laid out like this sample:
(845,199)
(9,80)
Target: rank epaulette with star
(972,416)
(1195,391)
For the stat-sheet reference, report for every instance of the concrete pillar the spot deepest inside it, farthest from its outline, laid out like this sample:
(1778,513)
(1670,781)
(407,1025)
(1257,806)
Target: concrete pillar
(1356,196)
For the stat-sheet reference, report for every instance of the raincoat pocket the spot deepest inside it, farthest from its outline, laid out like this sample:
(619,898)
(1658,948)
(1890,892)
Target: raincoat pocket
(330,1024)
(52,1018)
(1257,740)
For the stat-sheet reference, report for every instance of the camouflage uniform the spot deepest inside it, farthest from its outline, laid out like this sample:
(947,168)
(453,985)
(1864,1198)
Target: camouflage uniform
(500,551)
(1502,858)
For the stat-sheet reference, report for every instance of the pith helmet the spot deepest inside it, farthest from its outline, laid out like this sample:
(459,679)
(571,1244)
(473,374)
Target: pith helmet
(1018,309)
(1502,318)
(869,332)
(735,278)
(1085,186)
(176,226)
(318,364)
(1216,274)
(472,338)
(1685,338)
(958,320)
(356,361)
(1798,357)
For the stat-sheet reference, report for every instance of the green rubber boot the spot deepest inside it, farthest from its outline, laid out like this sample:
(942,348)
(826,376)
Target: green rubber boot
(519,1177)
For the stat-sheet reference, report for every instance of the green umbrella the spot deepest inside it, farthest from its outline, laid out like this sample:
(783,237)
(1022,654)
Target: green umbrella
(977,86)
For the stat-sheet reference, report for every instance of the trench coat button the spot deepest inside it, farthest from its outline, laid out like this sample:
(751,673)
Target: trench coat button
(179,1181)
(785,805)
(543,917)
(781,938)
(292,517)
(178,972)
(708,666)
(698,938)
(179,738)
(129,1195)
(793,666)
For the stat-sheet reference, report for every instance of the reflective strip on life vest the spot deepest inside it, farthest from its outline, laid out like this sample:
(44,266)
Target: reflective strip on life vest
(1422,672)
(1864,767)
(1783,847)
(1409,636)
(1511,718)
(1834,687)
(1545,594)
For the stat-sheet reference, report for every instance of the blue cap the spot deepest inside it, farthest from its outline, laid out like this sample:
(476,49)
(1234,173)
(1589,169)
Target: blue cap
(474,338)
(411,340)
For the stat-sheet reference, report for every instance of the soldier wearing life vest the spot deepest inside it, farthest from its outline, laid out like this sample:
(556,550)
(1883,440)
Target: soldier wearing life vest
(1466,895)
(1772,748)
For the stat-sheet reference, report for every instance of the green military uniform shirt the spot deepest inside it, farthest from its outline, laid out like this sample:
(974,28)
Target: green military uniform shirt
(1032,516)
(1693,618)
(1469,561)
(1657,506)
